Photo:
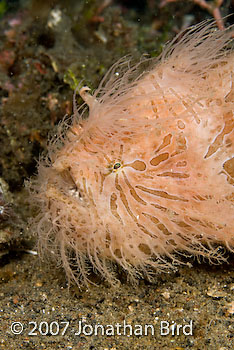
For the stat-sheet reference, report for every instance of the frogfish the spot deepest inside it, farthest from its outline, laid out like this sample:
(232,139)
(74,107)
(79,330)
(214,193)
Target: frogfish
(143,175)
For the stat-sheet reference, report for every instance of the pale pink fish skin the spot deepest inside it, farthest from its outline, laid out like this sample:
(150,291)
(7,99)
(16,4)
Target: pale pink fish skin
(150,173)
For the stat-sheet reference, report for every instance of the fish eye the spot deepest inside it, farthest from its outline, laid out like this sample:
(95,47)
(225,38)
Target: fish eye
(117,166)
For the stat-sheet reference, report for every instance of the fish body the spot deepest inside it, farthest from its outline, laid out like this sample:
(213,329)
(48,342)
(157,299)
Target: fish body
(150,173)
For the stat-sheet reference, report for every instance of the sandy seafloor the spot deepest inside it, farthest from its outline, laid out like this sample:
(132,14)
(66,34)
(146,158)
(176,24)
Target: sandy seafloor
(33,293)
(47,48)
